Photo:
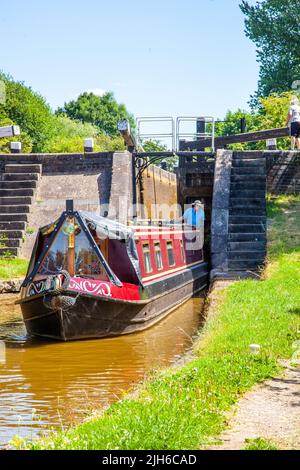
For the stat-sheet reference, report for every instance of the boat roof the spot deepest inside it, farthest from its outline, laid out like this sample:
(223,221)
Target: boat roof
(104,227)
(107,227)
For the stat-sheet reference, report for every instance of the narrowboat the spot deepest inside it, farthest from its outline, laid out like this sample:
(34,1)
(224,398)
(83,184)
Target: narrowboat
(91,277)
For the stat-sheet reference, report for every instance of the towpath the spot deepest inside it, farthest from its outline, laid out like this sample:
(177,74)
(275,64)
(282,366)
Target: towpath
(270,410)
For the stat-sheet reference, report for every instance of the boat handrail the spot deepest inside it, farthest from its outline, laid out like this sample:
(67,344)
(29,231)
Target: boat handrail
(157,223)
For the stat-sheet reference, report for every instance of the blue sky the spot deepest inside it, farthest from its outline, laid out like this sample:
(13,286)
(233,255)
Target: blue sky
(179,57)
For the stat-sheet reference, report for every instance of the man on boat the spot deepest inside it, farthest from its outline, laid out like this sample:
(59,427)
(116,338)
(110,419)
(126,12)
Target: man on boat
(193,219)
(194,216)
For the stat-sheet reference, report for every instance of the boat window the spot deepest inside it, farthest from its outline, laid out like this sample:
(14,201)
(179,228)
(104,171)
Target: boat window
(147,258)
(182,250)
(170,253)
(72,251)
(86,260)
(158,257)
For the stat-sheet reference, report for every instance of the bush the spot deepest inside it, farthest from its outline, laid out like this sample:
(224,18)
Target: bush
(29,110)
(66,127)
(75,144)
(70,134)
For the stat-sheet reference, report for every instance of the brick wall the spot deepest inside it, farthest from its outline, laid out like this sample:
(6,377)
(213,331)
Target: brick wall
(61,163)
(283,172)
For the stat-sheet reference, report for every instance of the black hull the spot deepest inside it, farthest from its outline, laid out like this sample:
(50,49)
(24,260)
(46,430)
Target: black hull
(92,317)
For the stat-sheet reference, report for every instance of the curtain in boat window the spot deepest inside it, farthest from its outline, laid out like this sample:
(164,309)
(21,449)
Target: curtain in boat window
(147,258)
(86,260)
(158,256)
(171,258)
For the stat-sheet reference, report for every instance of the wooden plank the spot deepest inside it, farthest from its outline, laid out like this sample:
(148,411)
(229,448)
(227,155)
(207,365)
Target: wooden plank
(124,129)
(9,131)
(221,142)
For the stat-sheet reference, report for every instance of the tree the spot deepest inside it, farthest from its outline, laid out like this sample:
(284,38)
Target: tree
(274,26)
(273,113)
(103,112)
(29,110)
(232,122)
(154,145)
(270,113)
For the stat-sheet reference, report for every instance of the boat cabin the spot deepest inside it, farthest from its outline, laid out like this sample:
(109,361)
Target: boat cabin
(165,248)
(86,245)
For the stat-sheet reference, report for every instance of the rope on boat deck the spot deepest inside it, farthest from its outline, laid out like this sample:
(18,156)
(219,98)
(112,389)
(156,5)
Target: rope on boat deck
(64,285)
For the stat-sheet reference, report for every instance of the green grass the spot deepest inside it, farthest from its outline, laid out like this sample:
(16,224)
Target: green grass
(184,408)
(259,444)
(285,227)
(12,268)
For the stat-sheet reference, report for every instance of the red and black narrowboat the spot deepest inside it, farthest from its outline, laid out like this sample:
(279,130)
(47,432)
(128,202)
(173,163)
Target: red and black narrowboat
(91,277)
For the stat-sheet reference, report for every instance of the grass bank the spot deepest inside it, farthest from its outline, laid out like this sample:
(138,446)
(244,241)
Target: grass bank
(12,268)
(184,408)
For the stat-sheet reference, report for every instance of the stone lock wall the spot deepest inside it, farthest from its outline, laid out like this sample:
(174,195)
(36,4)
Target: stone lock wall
(239,219)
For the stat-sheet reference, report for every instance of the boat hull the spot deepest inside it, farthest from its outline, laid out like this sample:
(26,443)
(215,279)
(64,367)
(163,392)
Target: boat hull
(95,317)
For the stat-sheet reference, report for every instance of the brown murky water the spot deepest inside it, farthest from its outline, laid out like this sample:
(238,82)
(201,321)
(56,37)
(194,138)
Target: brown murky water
(44,384)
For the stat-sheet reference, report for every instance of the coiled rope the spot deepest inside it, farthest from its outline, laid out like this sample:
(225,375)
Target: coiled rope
(53,300)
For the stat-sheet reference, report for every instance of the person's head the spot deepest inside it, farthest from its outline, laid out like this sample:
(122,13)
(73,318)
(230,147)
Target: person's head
(197,205)
(294,101)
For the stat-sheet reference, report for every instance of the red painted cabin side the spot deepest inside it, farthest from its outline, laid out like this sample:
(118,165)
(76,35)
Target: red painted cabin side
(172,244)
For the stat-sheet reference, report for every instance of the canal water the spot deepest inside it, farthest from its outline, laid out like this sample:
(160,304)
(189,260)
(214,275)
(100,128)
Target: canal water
(50,384)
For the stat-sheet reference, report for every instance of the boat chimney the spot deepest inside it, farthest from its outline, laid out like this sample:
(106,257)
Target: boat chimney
(69,205)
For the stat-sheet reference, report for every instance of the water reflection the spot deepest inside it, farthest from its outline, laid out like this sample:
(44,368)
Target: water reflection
(46,384)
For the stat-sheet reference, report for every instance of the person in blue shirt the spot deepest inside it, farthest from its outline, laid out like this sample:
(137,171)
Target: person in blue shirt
(194,216)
